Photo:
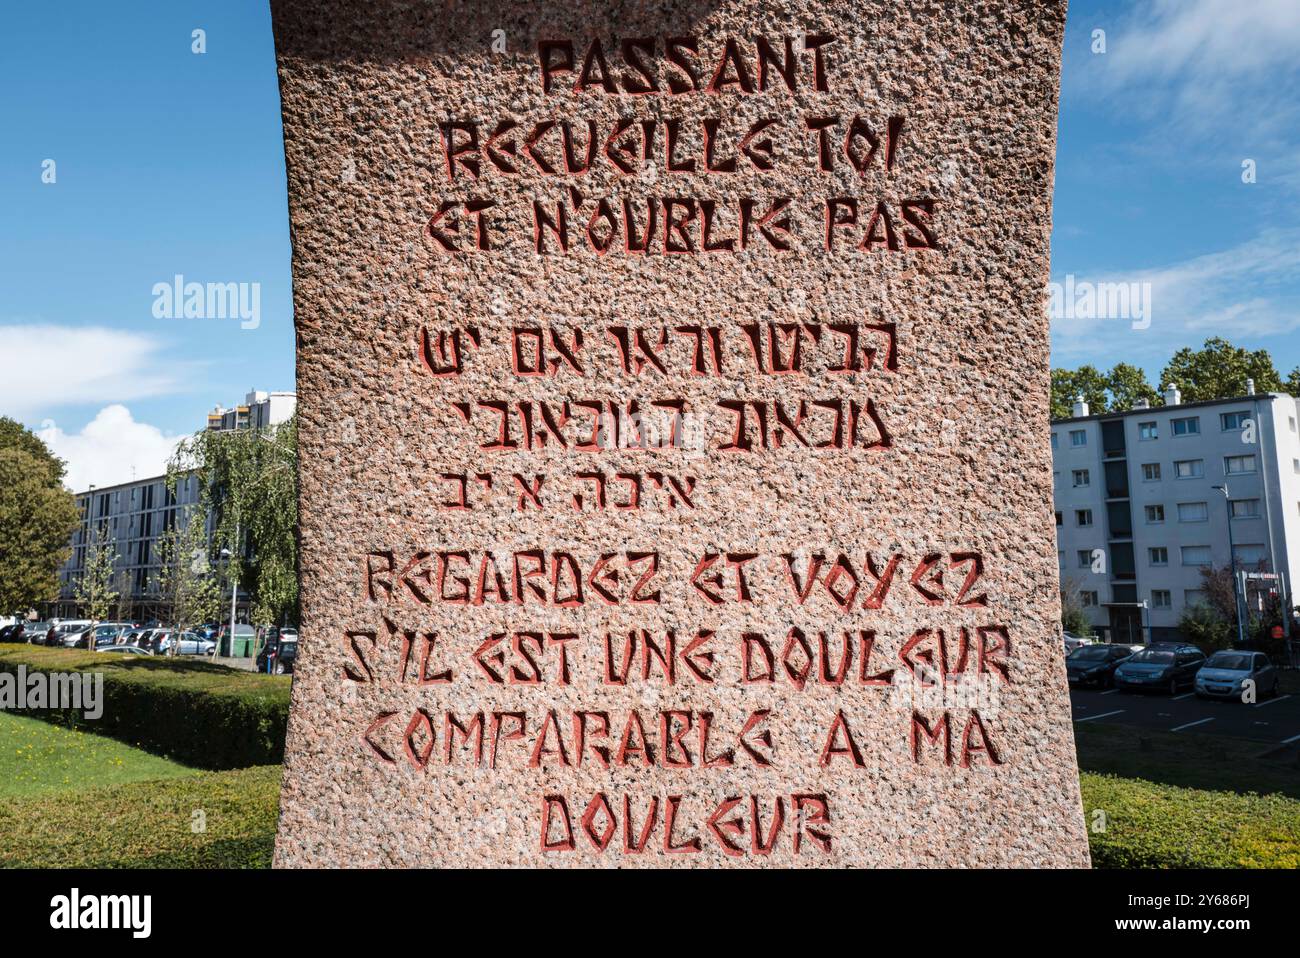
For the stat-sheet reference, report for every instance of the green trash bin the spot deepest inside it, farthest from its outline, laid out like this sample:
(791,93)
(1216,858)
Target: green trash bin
(243,646)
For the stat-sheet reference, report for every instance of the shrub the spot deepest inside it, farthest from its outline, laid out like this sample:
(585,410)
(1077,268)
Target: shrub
(1162,826)
(194,712)
(1206,629)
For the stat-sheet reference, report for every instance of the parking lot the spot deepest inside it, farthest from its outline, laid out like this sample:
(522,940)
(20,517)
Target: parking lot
(1273,721)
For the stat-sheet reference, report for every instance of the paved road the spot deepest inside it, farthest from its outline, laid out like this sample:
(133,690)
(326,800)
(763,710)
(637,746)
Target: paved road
(1275,721)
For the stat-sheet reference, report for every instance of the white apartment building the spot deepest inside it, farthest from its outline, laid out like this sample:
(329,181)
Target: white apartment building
(1147,497)
(134,516)
(259,411)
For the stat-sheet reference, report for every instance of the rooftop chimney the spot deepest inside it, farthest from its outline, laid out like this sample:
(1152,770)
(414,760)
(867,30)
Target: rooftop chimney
(1080,407)
(1172,396)
(1250,387)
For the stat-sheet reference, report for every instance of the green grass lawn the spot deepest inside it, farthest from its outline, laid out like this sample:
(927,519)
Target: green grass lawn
(203,820)
(38,759)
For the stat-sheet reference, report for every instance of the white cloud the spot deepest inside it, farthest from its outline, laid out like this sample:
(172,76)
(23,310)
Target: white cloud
(48,366)
(1221,72)
(1247,292)
(112,448)
(1221,41)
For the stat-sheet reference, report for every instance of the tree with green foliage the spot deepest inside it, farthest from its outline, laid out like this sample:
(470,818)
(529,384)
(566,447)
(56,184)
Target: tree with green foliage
(37,519)
(1069,384)
(1219,370)
(186,585)
(1074,618)
(1127,385)
(1292,385)
(96,593)
(1119,389)
(248,480)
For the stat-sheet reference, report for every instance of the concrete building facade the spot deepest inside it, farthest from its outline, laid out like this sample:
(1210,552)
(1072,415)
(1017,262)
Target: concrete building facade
(1148,497)
(134,516)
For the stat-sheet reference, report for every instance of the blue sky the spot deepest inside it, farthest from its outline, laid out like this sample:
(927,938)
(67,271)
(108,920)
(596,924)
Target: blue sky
(170,162)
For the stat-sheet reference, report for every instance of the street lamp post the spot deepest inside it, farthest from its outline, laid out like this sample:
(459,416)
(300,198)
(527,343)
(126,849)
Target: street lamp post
(234,587)
(1232,565)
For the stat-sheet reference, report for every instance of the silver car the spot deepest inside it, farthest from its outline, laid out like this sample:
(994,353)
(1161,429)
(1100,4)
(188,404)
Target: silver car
(1073,642)
(188,643)
(1226,673)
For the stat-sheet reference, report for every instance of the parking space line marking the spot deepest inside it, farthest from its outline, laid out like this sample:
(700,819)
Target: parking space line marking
(1185,695)
(1288,741)
(1280,698)
(1101,716)
(1111,692)
(1190,724)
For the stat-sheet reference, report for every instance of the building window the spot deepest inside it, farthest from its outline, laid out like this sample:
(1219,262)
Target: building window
(1196,555)
(1088,598)
(1080,477)
(1248,555)
(1295,466)
(1234,420)
(1148,430)
(1237,465)
(1189,468)
(1161,599)
(1190,426)
(1244,508)
(1150,472)
(1053,440)
(1193,596)
(1083,517)
(1291,422)
(1060,520)
(1158,555)
(1155,513)
(1078,437)
(1193,512)
(1085,558)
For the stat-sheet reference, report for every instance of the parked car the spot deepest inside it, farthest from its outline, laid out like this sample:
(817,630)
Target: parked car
(35,632)
(140,638)
(105,633)
(278,655)
(1226,673)
(1073,642)
(1095,664)
(1162,667)
(12,633)
(124,650)
(68,631)
(187,643)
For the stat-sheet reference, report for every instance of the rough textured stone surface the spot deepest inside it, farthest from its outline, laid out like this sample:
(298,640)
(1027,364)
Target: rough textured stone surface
(966,470)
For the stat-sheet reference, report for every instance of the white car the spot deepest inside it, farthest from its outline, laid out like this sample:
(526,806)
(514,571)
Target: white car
(190,643)
(1073,642)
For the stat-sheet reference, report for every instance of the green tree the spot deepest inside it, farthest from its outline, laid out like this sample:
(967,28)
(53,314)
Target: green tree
(1074,618)
(1069,384)
(96,593)
(248,480)
(37,518)
(1292,385)
(1218,370)
(1127,384)
(186,585)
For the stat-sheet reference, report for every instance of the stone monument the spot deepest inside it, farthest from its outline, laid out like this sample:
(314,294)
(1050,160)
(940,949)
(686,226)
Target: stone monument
(673,399)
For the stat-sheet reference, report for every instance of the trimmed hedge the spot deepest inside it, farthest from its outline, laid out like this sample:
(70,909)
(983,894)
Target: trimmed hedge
(148,824)
(195,712)
(1163,826)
